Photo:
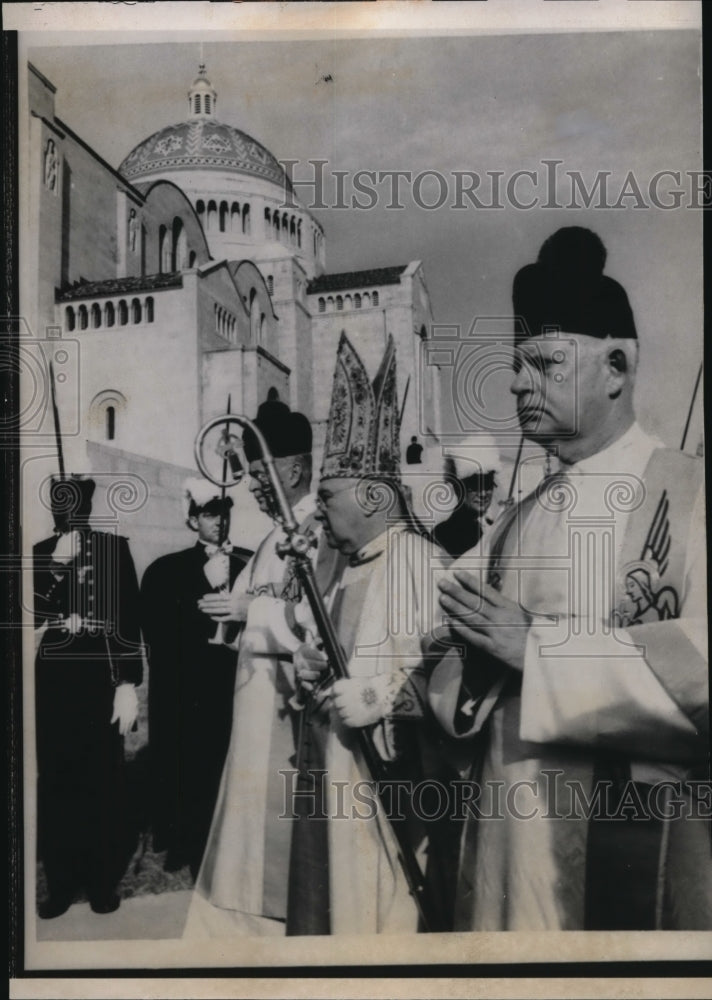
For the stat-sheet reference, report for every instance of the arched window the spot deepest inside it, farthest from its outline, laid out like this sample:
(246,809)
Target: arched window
(109,318)
(192,258)
(105,414)
(366,299)
(207,104)
(270,284)
(179,245)
(285,227)
(110,423)
(347,302)
(275,223)
(164,251)
(149,309)
(255,330)
(322,305)
(69,317)
(339,302)
(357,301)
(212,215)
(292,230)
(83,318)
(200,210)
(262,328)
(123,313)
(223,216)
(143,248)
(330,303)
(299,233)
(375,298)
(135,311)
(246,223)
(235,217)
(197,104)
(95,316)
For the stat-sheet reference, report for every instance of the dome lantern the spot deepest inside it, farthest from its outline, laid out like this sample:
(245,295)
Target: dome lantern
(202,96)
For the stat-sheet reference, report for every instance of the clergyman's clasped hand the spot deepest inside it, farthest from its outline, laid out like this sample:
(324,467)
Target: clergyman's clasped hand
(484,618)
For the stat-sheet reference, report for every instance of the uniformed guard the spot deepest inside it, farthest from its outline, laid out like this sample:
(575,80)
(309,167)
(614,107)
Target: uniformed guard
(192,676)
(474,473)
(87,668)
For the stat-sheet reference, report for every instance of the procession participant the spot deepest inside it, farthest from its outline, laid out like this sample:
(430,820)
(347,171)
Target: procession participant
(192,678)
(464,527)
(242,886)
(590,730)
(344,873)
(414,452)
(87,667)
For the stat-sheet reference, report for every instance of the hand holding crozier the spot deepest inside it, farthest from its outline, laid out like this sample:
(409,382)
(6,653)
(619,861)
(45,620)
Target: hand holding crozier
(226,606)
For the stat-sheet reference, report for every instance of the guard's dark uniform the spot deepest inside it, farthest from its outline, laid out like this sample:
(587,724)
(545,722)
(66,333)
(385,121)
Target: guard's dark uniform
(191,686)
(459,533)
(81,834)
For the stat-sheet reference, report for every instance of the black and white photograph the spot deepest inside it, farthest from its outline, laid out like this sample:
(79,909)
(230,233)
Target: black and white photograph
(361,487)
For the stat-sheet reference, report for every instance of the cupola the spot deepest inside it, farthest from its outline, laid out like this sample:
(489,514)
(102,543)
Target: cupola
(202,96)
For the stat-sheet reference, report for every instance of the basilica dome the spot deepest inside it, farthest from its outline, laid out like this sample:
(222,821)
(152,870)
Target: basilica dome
(204,144)
(242,198)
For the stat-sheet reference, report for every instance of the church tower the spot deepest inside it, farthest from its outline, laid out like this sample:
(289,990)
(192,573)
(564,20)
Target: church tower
(202,96)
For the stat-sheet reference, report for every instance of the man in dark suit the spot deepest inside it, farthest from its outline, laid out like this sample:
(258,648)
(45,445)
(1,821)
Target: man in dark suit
(192,676)
(87,668)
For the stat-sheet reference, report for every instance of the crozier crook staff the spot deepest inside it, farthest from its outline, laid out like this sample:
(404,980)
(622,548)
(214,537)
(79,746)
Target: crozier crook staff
(297,547)
(242,886)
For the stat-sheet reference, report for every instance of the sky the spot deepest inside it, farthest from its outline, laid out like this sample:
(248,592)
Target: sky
(619,102)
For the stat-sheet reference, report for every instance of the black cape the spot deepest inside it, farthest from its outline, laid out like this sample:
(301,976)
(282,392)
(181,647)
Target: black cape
(191,685)
(459,533)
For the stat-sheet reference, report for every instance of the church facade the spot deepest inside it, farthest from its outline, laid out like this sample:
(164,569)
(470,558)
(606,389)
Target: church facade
(190,272)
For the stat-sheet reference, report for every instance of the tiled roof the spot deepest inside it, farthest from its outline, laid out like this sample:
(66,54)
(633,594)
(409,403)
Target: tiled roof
(355,279)
(121,286)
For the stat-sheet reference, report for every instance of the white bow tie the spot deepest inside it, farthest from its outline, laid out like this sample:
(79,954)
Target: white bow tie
(212,549)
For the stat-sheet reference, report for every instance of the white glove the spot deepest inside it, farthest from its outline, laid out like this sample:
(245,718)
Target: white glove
(226,607)
(361,701)
(68,546)
(217,570)
(125,707)
(72,623)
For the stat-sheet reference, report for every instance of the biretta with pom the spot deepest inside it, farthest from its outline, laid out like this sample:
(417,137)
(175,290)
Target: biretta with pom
(285,431)
(567,291)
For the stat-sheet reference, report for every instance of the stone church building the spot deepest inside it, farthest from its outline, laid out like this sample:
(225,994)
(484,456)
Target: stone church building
(188,272)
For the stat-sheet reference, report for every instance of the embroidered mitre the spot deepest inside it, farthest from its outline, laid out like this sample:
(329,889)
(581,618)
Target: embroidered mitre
(362,434)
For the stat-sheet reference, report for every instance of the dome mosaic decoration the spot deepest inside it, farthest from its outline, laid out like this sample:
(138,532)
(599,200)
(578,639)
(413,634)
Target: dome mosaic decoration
(204,144)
